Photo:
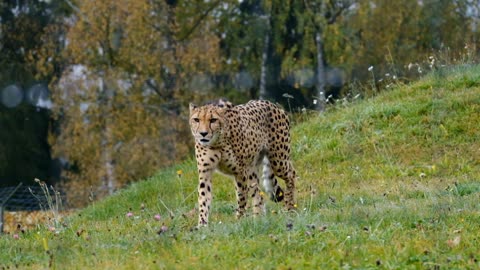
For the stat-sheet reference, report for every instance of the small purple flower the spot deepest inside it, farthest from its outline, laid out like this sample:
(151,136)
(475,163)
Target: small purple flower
(157,217)
(16,236)
(129,214)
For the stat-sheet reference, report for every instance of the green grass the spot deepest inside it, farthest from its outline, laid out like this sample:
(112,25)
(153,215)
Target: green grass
(392,182)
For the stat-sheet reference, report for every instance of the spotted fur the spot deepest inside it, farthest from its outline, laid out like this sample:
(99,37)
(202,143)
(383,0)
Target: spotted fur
(236,140)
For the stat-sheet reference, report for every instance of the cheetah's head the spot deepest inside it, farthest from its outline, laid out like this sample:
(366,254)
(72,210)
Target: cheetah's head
(206,123)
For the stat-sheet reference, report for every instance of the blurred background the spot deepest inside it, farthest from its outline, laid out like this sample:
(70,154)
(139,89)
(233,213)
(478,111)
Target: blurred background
(94,93)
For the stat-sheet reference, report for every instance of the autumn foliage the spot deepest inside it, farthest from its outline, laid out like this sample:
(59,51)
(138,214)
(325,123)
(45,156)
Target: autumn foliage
(121,73)
(120,103)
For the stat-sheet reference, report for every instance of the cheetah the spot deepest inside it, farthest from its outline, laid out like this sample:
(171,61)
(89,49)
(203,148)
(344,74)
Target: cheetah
(237,140)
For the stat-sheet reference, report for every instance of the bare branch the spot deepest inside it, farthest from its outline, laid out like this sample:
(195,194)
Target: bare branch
(70,4)
(154,87)
(199,20)
(76,9)
(331,11)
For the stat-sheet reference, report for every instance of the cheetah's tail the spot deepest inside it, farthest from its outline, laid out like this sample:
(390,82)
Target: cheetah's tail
(270,183)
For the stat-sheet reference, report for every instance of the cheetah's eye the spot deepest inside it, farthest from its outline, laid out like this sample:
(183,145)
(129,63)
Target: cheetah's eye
(213,120)
(196,120)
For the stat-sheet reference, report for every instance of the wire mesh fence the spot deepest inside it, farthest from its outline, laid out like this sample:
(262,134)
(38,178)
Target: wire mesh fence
(24,206)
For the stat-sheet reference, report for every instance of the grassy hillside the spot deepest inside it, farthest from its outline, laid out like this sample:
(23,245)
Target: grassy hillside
(390,182)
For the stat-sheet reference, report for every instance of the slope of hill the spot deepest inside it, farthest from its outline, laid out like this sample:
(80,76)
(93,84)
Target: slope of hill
(392,181)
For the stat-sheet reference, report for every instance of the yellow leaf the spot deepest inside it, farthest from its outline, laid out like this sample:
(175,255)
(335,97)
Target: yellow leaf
(45,243)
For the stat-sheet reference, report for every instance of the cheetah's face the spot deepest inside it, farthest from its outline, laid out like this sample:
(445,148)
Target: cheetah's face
(206,123)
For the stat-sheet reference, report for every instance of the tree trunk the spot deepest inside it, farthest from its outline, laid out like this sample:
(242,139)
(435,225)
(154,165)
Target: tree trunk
(172,81)
(107,141)
(476,18)
(109,168)
(263,70)
(320,74)
(110,171)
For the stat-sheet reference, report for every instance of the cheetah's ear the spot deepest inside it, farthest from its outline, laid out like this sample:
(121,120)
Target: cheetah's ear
(224,103)
(192,107)
(222,110)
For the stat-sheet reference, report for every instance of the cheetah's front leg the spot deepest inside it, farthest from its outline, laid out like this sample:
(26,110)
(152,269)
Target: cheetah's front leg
(204,196)
(207,162)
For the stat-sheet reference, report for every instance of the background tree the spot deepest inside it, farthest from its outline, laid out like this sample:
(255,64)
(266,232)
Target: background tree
(122,72)
(26,29)
(276,42)
(323,13)
(391,35)
(120,104)
(245,39)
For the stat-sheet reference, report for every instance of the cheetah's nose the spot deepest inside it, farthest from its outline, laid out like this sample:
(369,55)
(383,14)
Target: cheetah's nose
(203,134)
